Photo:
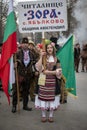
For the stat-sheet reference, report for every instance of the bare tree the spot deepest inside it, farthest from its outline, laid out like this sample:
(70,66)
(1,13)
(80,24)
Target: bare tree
(3,15)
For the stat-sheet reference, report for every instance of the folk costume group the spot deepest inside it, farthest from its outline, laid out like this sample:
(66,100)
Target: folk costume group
(47,79)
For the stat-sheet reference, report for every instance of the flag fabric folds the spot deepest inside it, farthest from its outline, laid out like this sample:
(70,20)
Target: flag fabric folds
(8,49)
(66,57)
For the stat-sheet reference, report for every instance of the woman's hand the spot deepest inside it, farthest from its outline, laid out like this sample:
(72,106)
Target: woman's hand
(46,72)
(42,53)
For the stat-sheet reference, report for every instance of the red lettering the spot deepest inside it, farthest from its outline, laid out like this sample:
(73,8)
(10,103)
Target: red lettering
(52,21)
(43,22)
(57,20)
(38,22)
(29,22)
(47,21)
(33,22)
(61,21)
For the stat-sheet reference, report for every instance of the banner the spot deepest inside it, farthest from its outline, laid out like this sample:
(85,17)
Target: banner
(39,16)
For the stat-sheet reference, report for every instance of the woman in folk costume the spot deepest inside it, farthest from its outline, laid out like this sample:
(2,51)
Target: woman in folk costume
(47,96)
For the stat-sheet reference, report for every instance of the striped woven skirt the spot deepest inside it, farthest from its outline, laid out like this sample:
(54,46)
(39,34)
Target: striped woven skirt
(47,92)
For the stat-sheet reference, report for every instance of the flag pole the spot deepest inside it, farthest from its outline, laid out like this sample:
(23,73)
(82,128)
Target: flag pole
(18,96)
(44,48)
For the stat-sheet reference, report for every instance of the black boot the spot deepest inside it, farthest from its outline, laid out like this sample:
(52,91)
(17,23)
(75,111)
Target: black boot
(65,101)
(27,108)
(13,109)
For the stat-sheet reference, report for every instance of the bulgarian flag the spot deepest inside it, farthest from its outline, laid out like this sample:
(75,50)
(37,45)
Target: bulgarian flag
(8,49)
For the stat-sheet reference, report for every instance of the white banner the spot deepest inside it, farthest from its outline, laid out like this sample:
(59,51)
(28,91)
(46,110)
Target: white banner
(42,16)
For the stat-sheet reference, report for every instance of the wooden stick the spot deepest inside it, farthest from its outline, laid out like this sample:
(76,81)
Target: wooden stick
(18,96)
(44,58)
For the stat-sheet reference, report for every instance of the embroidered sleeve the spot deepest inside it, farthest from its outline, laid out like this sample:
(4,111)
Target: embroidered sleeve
(39,68)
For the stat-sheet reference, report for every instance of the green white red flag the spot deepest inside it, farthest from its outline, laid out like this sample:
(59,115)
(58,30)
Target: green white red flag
(8,49)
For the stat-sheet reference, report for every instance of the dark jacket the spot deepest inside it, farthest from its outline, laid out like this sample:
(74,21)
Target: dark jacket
(76,52)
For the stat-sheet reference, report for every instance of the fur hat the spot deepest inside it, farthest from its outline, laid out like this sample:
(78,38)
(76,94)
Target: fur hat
(1,44)
(25,40)
(31,42)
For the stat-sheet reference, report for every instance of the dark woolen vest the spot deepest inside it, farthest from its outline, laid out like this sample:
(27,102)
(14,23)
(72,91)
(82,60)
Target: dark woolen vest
(22,69)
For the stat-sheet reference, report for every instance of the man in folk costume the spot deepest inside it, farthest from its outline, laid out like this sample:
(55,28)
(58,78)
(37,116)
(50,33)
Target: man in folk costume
(35,53)
(25,61)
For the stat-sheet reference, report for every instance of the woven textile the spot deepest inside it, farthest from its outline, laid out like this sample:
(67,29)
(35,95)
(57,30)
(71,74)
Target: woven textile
(47,92)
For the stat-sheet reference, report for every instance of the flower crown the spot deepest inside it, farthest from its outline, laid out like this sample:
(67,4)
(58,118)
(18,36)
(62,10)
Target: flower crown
(53,44)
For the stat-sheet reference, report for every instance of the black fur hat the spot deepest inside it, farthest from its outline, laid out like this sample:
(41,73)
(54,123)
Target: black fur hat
(25,40)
